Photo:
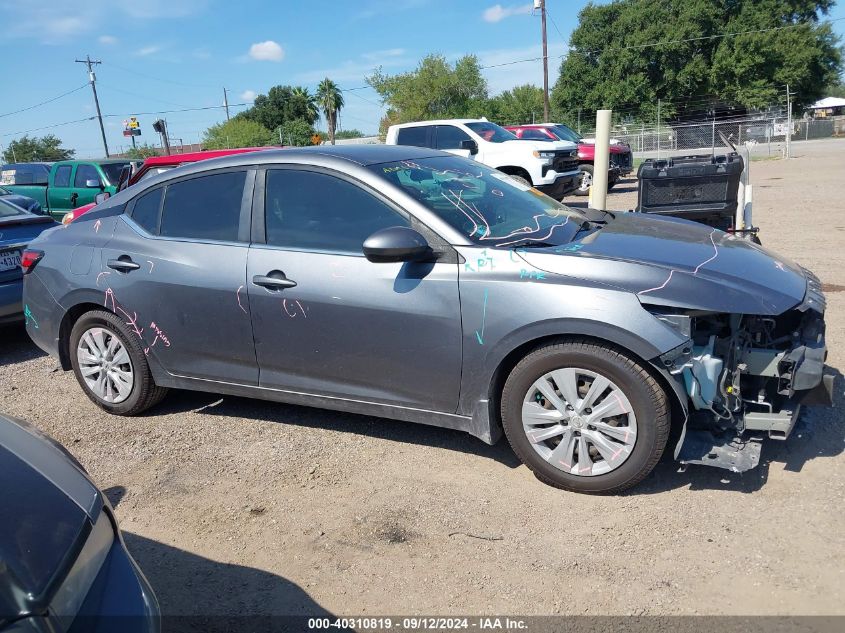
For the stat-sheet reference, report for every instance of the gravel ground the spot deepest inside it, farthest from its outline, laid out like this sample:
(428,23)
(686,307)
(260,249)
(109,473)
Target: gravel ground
(235,506)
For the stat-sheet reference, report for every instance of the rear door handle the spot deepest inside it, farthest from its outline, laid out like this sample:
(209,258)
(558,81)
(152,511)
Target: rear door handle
(123,265)
(274,280)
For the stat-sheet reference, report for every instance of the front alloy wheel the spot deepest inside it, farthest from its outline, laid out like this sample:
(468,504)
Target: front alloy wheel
(585,416)
(579,421)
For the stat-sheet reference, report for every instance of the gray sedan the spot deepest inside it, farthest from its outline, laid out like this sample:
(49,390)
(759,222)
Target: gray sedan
(412,284)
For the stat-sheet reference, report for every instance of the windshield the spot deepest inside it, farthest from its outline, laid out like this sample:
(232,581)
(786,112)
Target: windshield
(491,132)
(112,171)
(565,134)
(484,204)
(155,171)
(9,210)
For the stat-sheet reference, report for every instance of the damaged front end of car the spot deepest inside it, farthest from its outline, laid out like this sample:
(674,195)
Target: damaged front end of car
(746,377)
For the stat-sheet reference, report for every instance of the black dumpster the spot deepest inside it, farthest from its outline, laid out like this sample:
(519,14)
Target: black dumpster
(703,188)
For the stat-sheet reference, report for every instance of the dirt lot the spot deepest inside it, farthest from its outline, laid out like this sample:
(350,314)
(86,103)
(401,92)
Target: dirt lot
(238,506)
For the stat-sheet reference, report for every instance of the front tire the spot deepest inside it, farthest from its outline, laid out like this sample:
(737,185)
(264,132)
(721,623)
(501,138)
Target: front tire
(109,363)
(586,180)
(585,417)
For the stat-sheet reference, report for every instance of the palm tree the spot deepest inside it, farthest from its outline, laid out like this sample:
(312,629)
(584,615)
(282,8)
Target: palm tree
(304,104)
(330,99)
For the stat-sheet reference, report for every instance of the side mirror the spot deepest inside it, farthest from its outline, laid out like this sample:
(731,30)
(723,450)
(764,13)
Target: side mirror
(92,183)
(396,244)
(102,197)
(470,145)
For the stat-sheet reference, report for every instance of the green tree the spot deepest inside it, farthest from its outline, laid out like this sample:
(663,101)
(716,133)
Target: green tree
(281,104)
(143,151)
(29,149)
(340,134)
(434,90)
(330,100)
(614,61)
(297,132)
(237,132)
(523,104)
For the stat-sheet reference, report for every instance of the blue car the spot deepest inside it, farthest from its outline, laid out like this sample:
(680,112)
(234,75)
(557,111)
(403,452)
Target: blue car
(30,204)
(18,227)
(63,563)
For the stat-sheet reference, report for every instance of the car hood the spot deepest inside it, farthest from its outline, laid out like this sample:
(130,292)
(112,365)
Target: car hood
(676,263)
(47,507)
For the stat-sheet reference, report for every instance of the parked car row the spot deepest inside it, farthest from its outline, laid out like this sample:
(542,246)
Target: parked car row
(66,185)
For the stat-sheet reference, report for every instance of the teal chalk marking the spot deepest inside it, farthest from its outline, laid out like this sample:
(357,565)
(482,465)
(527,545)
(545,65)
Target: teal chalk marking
(27,314)
(480,335)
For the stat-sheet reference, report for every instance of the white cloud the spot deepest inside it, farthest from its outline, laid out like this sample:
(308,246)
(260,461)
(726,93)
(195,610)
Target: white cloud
(268,51)
(148,50)
(201,53)
(497,12)
(108,40)
(355,70)
(248,95)
(65,26)
(378,56)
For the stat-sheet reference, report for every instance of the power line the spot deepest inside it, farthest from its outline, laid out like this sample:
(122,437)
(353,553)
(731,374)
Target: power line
(216,107)
(167,81)
(47,127)
(38,105)
(135,94)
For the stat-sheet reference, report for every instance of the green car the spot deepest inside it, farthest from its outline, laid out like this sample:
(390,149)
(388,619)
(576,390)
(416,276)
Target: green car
(68,184)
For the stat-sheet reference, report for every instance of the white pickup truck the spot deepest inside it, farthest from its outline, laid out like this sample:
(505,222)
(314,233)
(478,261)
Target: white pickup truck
(551,168)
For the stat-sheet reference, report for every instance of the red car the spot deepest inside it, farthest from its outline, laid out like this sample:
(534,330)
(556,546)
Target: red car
(155,165)
(621,157)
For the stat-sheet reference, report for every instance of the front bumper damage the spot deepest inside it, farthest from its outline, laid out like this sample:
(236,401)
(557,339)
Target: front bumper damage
(747,378)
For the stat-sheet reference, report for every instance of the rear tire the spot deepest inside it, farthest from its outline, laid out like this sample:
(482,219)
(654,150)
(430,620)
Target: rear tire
(612,437)
(109,363)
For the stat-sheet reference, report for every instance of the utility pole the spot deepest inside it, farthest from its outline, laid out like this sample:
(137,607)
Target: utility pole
(226,102)
(579,120)
(542,4)
(92,78)
(788,123)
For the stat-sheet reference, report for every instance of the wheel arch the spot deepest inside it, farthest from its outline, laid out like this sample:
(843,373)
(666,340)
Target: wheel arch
(513,170)
(672,387)
(71,316)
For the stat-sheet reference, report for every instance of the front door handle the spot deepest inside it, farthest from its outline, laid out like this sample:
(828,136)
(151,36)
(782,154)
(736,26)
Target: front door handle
(274,280)
(123,265)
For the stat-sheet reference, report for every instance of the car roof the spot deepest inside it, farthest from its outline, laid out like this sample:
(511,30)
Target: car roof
(363,155)
(192,157)
(439,122)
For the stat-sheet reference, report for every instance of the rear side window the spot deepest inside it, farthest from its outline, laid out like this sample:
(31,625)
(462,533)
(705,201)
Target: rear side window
(84,173)
(62,178)
(417,136)
(206,208)
(145,212)
(306,210)
(450,137)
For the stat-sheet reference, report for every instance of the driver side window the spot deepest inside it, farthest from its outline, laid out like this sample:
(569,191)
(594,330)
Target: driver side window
(313,211)
(450,137)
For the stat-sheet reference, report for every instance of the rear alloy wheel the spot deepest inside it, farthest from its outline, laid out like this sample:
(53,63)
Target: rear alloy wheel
(586,180)
(110,365)
(585,417)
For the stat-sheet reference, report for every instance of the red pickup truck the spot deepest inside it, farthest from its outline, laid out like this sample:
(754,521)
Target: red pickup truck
(155,165)
(621,157)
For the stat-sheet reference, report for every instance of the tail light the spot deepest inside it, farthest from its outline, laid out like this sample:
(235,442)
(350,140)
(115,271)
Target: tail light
(68,218)
(29,258)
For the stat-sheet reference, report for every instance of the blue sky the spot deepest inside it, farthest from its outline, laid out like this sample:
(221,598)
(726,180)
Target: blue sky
(174,54)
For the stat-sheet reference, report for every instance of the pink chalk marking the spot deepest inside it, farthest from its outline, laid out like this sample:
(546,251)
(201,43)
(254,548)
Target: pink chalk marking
(97,226)
(285,307)
(301,309)
(238,297)
(661,286)
(565,465)
(152,265)
(105,272)
(694,272)
(715,254)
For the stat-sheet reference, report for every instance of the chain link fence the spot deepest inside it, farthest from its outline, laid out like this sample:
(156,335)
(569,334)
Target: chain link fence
(762,135)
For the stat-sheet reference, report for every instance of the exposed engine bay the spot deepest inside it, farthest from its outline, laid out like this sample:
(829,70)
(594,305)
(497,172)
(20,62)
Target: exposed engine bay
(746,377)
